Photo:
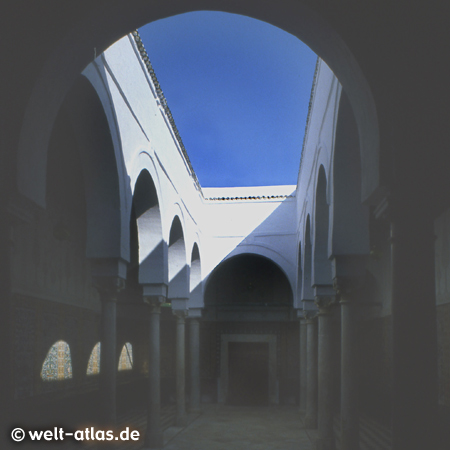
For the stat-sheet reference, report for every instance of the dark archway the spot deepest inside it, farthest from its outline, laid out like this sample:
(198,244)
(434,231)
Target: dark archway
(307,295)
(321,269)
(248,280)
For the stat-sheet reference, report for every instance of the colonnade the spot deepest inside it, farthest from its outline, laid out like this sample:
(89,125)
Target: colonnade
(318,334)
(415,399)
(154,297)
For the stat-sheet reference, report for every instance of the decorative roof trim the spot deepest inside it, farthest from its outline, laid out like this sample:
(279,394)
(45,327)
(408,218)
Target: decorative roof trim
(163,101)
(308,117)
(250,197)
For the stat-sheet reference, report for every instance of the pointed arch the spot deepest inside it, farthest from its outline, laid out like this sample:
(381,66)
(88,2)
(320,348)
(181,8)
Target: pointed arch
(152,249)
(195,279)
(307,294)
(58,363)
(107,223)
(298,296)
(178,268)
(93,367)
(349,217)
(106,24)
(126,358)
(321,267)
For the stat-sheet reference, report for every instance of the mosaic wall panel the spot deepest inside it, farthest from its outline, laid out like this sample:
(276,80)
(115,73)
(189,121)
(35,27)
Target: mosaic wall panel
(58,363)
(24,351)
(93,367)
(126,357)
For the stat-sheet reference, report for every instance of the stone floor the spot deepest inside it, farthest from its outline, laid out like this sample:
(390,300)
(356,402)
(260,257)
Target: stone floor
(222,427)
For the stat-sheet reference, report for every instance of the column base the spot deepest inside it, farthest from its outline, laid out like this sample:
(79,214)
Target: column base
(325,444)
(310,422)
(154,439)
(181,421)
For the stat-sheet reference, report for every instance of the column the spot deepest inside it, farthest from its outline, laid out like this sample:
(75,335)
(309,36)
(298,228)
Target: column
(311,370)
(303,363)
(415,380)
(349,379)
(181,419)
(325,435)
(108,289)
(194,351)
(154,437)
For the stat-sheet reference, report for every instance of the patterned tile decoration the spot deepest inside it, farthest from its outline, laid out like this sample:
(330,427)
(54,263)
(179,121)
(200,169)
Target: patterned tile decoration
(58,363)
(126,357)
(94,360)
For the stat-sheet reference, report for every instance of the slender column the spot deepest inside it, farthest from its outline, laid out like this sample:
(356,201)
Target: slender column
(311,371)
(349,379)
(108,289)
(181,419)
(154,437)
(303,364)
(415,385)
(194,347)
(325,438)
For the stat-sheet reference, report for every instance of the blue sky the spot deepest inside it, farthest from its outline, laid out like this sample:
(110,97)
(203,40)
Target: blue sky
(238,89)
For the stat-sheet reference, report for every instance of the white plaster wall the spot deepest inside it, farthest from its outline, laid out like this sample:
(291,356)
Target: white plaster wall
(146,139)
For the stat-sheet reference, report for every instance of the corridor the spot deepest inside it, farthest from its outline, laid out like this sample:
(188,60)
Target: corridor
(222,427)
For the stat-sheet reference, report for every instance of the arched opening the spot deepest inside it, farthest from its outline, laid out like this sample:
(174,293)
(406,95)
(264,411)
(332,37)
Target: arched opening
(321,274)
(152,255)
(349,217)
(178,268)
(93,367)
(107,222)
(58,363)
(126,358)
(298,296)
(248,280)
(307,295)
(243,290)
(115,21)
(148,256)
(196,285)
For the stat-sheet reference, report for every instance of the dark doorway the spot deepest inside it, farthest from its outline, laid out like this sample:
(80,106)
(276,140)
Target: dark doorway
(248,378)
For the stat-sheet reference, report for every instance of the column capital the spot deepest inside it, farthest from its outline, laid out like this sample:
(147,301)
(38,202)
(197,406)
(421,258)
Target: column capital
(324,298)
(109,287)
(154,302)
(347,285)
(325,303)
(309,315)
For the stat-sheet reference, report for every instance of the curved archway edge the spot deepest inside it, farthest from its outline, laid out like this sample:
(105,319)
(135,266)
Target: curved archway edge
(109,23)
